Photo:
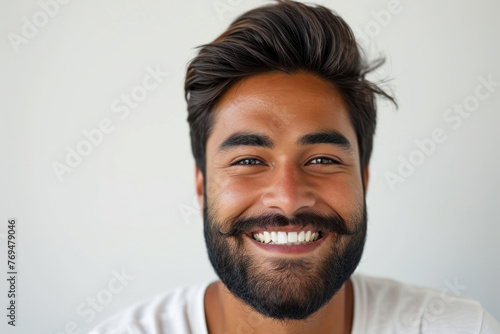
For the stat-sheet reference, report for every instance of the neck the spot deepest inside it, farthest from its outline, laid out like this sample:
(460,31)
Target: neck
(225,313)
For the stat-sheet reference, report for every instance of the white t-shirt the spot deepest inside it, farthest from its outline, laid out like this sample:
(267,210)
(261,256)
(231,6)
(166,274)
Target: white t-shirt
(380,306)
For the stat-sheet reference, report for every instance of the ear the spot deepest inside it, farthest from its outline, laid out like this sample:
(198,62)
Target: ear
(366,175)
(199,186)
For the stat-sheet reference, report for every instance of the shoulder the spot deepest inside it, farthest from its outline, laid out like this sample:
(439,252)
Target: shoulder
(174,311)
(385,305)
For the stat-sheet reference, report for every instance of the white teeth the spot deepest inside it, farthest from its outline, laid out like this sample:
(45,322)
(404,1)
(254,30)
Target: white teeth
(267,237)
(284,238)
(274,237)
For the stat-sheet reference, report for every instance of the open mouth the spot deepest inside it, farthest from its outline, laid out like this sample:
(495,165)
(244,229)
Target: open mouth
(287,238)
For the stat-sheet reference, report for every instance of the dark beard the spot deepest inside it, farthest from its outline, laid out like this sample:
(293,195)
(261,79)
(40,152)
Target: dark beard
(292,289)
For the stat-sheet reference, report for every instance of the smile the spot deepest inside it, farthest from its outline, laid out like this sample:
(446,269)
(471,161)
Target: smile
(286,238)
(294,241)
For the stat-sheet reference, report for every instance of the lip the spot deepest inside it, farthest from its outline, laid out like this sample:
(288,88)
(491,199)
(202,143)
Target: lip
(290,249)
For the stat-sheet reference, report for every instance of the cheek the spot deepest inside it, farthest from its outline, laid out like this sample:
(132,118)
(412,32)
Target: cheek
(234,195)
(344,195)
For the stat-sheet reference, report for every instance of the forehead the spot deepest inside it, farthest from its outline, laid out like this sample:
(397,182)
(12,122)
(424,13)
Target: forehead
(280,106)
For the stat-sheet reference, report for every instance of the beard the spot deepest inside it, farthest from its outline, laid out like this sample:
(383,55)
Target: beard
(282,288)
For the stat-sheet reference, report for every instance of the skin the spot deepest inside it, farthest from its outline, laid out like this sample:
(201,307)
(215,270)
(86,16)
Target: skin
(286,179)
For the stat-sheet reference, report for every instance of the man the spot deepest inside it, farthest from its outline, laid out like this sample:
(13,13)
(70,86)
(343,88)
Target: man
(282,121)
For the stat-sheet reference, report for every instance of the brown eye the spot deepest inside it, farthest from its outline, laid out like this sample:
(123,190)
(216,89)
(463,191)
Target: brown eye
(324,161)
(247,161)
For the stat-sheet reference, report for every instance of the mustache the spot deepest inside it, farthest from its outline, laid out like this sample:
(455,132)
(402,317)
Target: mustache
(332,223)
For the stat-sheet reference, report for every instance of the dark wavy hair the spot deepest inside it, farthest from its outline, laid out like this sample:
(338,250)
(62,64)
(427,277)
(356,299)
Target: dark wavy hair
(287,36)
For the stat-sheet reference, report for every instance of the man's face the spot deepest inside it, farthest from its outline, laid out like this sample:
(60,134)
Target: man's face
(283,157)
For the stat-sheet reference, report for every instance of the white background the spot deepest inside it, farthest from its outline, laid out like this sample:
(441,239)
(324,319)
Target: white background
(129,206)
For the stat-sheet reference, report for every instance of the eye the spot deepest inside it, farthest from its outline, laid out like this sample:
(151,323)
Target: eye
(324,161)
(247,161)
(257,162)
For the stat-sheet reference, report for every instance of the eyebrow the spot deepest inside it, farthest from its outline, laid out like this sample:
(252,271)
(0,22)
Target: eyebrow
(331,137)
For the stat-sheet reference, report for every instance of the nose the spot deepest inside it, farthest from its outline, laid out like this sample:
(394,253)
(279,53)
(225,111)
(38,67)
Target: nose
(288,191)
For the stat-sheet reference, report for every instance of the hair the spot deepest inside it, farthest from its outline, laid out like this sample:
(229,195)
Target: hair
(287,36)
